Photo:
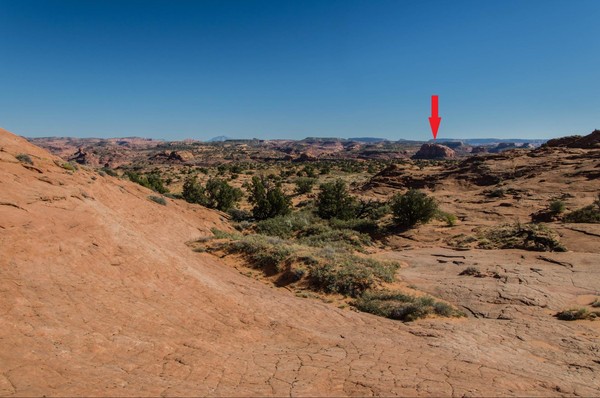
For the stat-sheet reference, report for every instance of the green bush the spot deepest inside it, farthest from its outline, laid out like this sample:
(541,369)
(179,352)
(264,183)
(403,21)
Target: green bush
(239,215)
(334,201)
(557,206)
(449,219)
(268,198)
(217,194)
(24,158)
(152,181)
(193,192)
(304,185)
(158,199)
(220,195)
(587,214)
(403,307)
(412,208)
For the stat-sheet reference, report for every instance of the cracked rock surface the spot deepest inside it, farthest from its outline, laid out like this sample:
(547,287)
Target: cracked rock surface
(100,296)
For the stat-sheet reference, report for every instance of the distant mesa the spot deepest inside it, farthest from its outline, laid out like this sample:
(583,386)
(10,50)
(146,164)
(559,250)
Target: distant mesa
(434,151)
(367,139)
(589,141)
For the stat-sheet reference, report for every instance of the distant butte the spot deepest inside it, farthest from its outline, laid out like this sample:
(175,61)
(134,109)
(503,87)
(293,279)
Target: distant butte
(434,151)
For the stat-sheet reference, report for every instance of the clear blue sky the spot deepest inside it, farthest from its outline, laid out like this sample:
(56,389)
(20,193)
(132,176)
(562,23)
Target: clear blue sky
(291,69)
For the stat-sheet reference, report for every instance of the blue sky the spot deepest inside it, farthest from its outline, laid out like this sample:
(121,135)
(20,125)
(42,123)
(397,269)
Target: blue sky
(291,69)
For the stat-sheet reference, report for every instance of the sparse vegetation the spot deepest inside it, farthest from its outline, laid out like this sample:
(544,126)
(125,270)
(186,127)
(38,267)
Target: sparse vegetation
(304,185)
(158,199)
(587,214)
(403,307)
(24,158)
(69,166)
(536,237)
(471,271)
(152,181)
(327,269)
(576,314)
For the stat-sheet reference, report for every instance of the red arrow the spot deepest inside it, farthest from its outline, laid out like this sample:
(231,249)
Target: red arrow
(434,120)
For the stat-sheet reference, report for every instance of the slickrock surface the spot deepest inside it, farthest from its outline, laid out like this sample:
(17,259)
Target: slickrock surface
(101,296)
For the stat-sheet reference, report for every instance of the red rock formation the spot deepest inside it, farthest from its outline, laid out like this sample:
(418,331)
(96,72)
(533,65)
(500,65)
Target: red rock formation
(434,151)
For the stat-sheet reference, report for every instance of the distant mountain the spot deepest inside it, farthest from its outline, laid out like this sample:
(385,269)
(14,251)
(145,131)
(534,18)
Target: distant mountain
(219,138)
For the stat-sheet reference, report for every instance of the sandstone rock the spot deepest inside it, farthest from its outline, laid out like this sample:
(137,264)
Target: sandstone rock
(83,157)
(182,156)
(589,141)
(434,151)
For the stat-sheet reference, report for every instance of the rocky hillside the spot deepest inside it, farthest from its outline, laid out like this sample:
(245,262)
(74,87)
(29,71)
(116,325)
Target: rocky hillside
(101,296)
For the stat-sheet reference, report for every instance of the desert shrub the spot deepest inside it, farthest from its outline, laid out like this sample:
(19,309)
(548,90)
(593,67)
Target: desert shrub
(536,237)
(329,269)
(304,185)
(24,158)
(449,219)
(109,171)
(470,271)
(309,171)
(495,193)
(370,209)
(158,199)
(192,192)
(348,274)
(573,314)
(412,208)
(557,206)
(68,166)
(268,198)
(262,251)
(217,194)
(325,169)
(285,226)
(367,226)
(219,234)
(338,238)
(334,201)
(152,181)
(596,303)
(587,214)
(403,307)
(239,215)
